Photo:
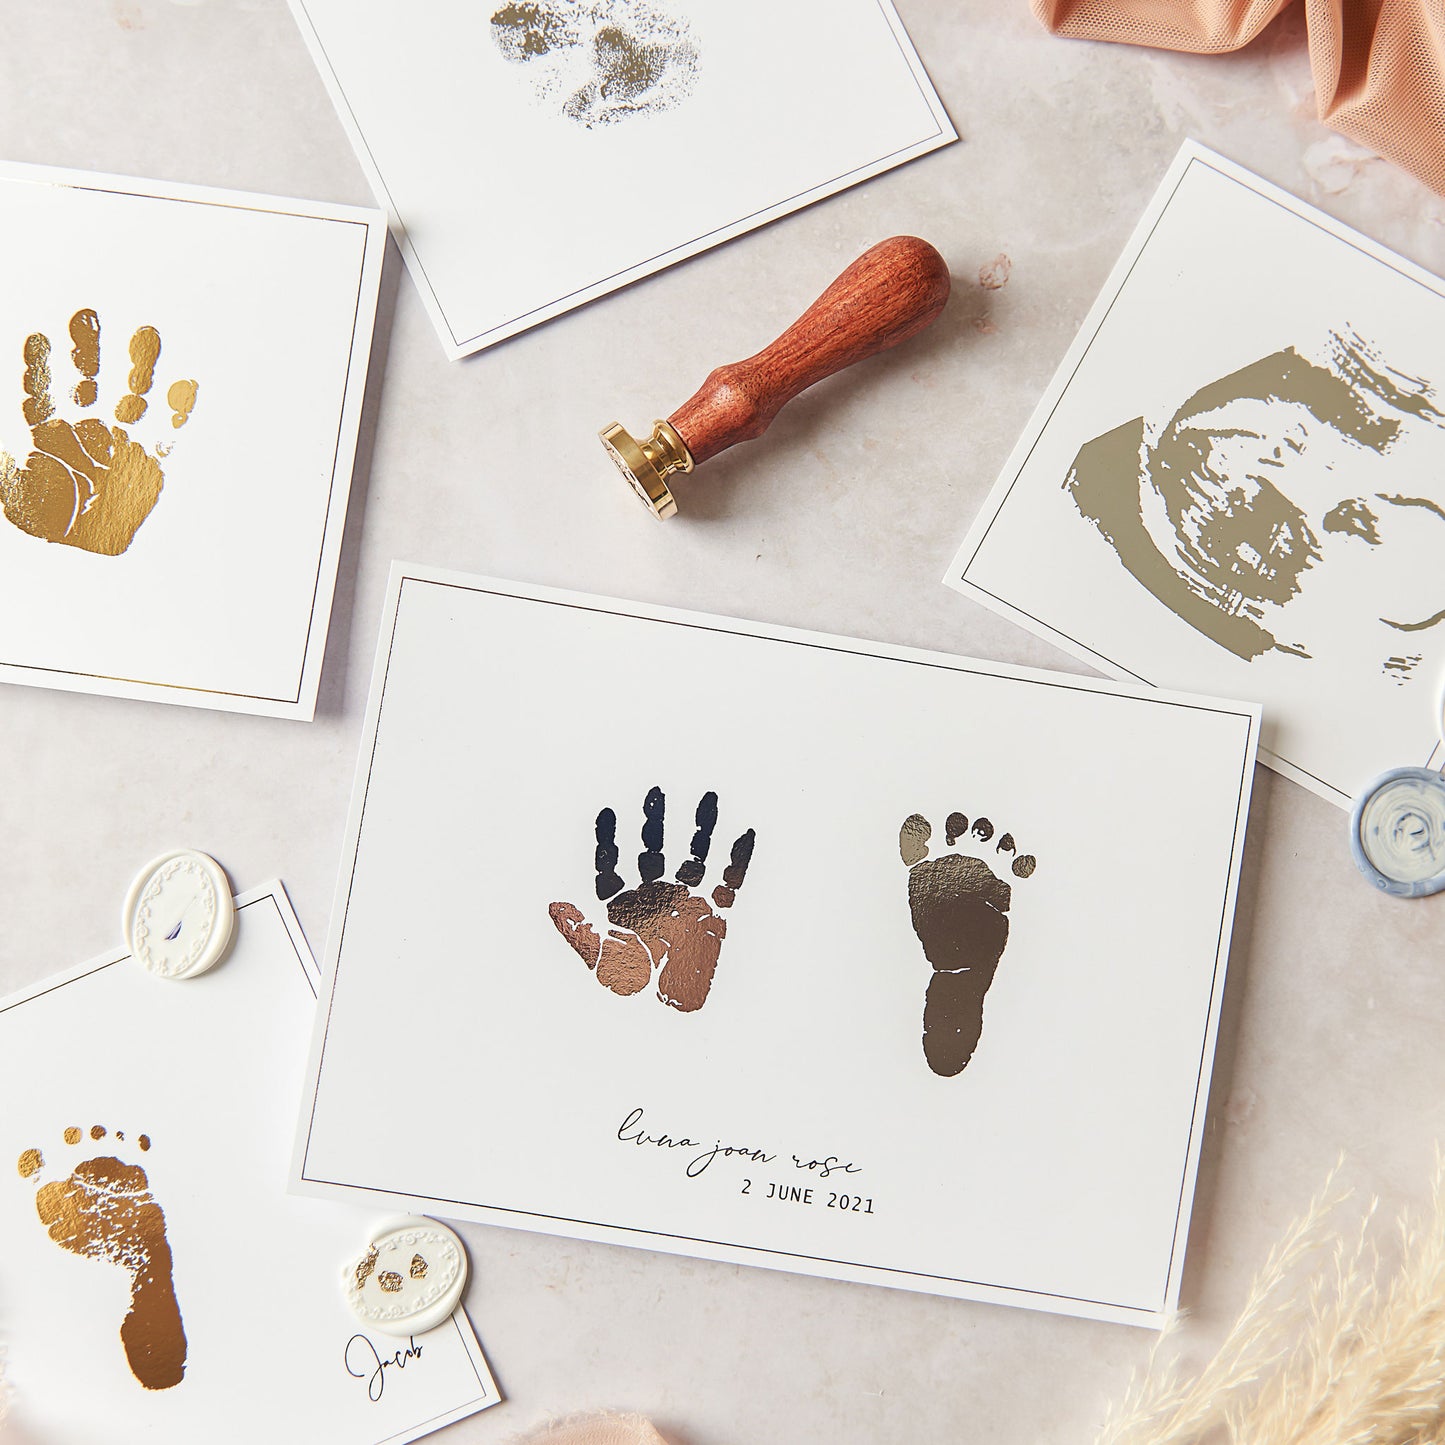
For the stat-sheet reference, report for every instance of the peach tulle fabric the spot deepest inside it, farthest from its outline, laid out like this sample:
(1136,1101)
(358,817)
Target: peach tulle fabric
(603,1429)
(1379,65)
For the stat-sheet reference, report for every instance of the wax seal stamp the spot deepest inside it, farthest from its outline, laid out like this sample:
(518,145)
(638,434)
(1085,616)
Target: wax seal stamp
(410,1278)
(888,294)
(178,915)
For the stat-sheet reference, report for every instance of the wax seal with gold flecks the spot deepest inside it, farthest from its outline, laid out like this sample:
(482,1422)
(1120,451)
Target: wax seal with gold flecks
(410,1278)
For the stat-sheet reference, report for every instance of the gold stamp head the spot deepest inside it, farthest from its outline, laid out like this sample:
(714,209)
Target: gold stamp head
(647,465)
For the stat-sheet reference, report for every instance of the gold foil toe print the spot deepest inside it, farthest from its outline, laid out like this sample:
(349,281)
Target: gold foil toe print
(87,484)
(103,1209)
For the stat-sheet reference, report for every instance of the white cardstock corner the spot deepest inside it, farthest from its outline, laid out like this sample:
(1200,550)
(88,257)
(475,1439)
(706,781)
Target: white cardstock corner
(158,1284)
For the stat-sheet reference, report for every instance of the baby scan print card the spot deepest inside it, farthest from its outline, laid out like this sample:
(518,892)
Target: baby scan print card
(1236,481)
(780,949)
(537,154)
(181,379)
(158,1283)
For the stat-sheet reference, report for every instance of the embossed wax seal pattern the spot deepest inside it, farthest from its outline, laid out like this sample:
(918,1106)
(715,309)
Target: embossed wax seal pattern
(410,1278)
(1397,832)
(178,915)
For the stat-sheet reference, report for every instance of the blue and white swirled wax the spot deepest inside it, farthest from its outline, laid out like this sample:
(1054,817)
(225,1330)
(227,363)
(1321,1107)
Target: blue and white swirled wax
(1398,832)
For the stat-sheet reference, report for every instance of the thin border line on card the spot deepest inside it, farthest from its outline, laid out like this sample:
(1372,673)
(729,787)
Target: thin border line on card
(462,1340)
(705,240)
(1063,391)
(351,878)
(1081,685)
(56,987)
(751,1248)
(456,1412)
(1211,1030)
(1389,262)
(796,202)
(1218,709)
(126,957)
(437,1422)
(1110,665)
(335,451)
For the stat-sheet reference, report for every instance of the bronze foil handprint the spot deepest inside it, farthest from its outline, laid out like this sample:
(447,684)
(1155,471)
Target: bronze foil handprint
(660,929)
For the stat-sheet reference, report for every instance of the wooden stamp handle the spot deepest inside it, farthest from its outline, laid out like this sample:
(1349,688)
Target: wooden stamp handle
(891,292)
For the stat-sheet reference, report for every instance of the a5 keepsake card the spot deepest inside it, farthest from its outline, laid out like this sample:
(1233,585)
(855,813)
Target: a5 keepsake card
(778,948)
(1236,480)
(537,154)
(181,380)
(158,1283)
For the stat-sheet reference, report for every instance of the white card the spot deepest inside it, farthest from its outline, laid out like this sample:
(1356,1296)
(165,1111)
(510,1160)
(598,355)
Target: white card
(535,156)
(183,372)
(973,1065)
(1236,480)
(182,1294)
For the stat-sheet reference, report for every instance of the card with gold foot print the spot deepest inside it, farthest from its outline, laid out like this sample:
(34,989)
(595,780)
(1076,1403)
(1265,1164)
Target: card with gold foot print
(783,949)
(178,414)
(157,1283)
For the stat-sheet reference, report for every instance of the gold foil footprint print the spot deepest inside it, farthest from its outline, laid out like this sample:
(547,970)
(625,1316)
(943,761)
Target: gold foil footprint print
(87,484)
(104,1210)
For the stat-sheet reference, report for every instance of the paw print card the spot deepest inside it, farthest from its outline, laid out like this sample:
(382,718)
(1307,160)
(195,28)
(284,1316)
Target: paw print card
(157,1283)
(537,154)
(781,949)
(181,380)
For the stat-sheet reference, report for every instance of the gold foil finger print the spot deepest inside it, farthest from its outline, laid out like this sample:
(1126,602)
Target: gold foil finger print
(85,333)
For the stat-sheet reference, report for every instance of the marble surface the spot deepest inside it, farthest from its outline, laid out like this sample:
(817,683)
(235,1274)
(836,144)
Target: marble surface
(841,519)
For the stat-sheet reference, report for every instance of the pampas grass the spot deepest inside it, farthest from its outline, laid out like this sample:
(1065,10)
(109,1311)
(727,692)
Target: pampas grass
(1331,1348)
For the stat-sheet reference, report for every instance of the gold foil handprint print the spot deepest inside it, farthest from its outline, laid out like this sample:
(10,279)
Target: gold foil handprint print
(87,484)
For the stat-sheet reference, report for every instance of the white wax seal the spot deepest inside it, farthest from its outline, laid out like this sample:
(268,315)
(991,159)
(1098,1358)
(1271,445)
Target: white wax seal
(410,1278)
(178,914)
